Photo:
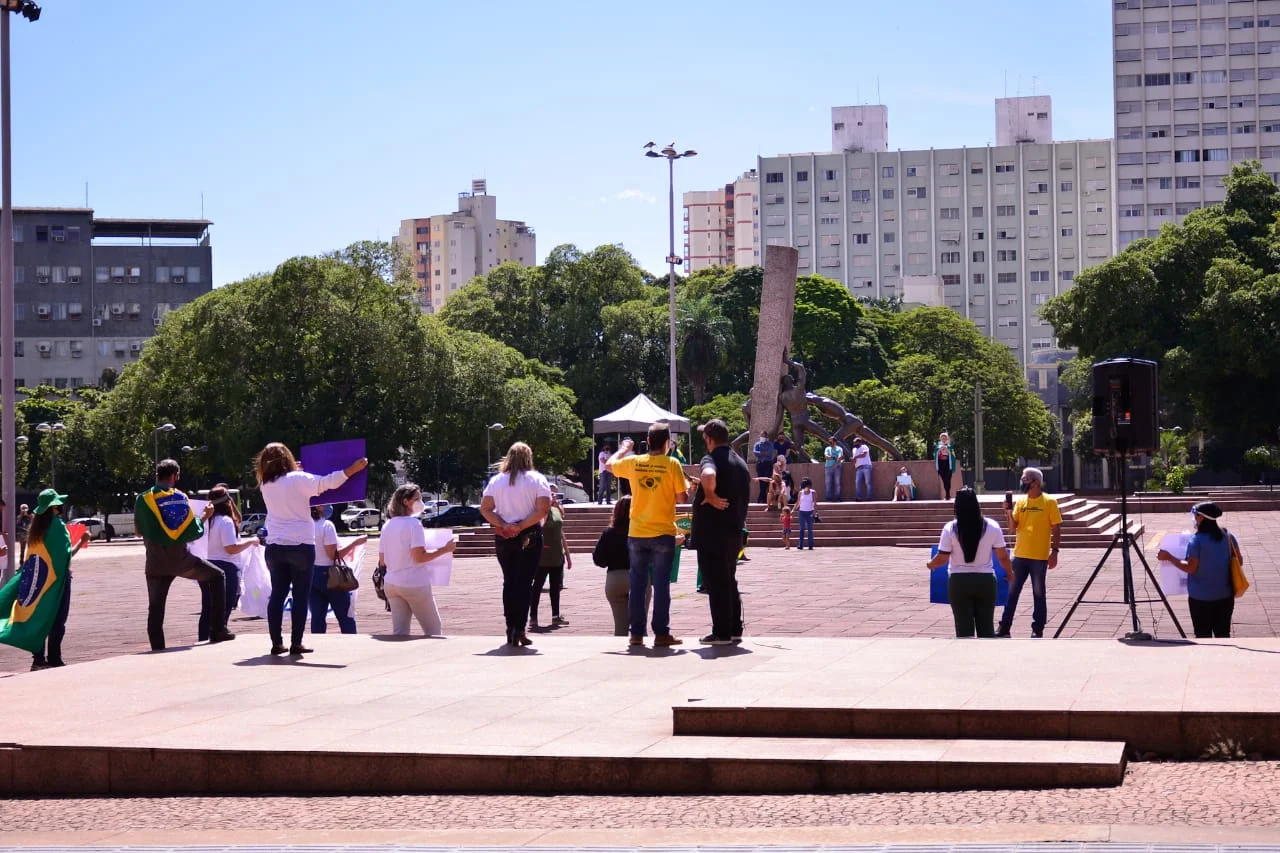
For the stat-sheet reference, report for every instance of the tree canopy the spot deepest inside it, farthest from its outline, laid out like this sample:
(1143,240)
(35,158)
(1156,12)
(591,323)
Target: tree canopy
(1202,300)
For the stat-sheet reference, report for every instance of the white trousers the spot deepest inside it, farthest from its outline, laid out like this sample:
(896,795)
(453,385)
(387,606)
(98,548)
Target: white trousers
(417,602)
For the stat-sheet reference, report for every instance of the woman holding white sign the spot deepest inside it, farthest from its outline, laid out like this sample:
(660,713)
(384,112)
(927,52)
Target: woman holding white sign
(402,549)
(1210,594)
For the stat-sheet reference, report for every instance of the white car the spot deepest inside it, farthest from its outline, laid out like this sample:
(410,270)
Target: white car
(352,511)
(434,508)
(367,518)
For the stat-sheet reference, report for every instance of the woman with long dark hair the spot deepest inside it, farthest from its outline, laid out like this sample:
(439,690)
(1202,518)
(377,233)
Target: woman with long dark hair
(612,555)
(291,536)
(47,538)
(1210,595)
(225,547)
(515,501)
(966,545)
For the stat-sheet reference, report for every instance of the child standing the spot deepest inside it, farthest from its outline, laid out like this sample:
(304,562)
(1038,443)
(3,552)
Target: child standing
(786,528)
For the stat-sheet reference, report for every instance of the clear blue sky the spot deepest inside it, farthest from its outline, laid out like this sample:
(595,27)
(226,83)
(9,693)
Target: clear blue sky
(309,124)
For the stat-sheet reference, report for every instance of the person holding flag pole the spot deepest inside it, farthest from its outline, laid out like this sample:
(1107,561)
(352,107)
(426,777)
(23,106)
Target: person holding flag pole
(35,602)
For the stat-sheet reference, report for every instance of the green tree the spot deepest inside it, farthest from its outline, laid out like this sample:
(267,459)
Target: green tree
(727,407)
(1203,301)
(832,336)
(703,336)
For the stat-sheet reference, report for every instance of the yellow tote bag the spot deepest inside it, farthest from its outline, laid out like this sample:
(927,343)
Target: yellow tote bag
(1239,583)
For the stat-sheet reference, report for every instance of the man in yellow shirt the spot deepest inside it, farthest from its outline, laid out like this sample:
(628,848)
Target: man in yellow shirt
(1037,526)
(657,485)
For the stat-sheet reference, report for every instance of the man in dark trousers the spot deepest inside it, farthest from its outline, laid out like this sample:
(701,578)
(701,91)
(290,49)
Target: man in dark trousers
(719,516)
(166,524)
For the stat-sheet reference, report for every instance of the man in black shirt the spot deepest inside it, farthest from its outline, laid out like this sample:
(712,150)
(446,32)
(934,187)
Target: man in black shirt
(719,515)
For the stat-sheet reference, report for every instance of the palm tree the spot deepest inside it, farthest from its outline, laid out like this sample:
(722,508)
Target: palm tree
(704,335)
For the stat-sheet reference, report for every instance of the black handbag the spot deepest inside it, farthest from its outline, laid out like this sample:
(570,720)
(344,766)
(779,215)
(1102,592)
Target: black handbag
(342,578)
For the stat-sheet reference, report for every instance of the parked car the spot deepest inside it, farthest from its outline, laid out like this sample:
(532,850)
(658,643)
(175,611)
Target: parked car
(351,511)
(456,516)
(434,508)
(98,531)
(366,519)
(251,523)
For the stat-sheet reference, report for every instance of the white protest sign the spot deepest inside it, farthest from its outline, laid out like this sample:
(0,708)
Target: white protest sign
(1173,579)
(439,570)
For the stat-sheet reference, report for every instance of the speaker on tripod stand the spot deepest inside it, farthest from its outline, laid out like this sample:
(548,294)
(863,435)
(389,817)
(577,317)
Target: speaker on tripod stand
(1126,406)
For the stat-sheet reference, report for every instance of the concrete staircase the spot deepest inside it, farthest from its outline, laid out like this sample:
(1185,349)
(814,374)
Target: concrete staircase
(1086,524)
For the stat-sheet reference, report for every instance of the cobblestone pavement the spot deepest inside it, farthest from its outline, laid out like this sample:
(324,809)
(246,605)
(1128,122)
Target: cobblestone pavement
(834,592)
(1185,794)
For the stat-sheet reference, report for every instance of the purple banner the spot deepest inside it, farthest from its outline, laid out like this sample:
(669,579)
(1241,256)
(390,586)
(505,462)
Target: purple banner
(321,459)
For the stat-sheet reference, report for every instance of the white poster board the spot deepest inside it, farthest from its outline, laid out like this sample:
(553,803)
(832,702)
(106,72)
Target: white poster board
(199,547)
(439,570)
(255,580)
(1173,579)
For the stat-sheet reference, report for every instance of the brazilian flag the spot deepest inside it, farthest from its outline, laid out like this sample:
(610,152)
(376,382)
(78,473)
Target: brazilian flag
(30,600)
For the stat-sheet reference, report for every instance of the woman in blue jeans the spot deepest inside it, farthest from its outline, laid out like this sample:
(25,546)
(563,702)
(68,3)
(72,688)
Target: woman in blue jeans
(806,506)
(291,552)
(225,546)
(323,598)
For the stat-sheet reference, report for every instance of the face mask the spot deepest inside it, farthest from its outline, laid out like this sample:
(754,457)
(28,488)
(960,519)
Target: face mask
(418,507)
(1195,520)
(1026,487)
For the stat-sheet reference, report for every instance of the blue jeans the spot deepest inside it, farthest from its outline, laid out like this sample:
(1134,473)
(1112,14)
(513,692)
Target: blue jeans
(606,488)
(861,478)
(806,523)
(1022,569)
(651,555)
(232,590)
(833,482)
(290,567)
(322,598)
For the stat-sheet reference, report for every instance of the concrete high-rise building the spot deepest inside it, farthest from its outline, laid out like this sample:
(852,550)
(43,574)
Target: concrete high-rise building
(451,249)
(89,292)
(991,232)
(864,128)
(722,226)
(1197,88)
(1024,119)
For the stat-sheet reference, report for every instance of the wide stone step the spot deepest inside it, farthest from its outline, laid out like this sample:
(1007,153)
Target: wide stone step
(671,765)
(1165,733)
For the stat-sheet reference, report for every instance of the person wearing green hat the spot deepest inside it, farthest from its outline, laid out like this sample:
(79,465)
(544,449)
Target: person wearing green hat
(38,599)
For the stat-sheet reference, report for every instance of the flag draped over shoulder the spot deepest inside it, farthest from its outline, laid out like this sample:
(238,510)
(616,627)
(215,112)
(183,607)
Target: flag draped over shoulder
(164,515)
(30,600)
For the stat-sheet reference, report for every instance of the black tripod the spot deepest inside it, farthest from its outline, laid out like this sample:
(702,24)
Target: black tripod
(1124,539)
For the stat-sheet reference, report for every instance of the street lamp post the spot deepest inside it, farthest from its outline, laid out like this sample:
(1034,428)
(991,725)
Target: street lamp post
(187,448)
(488,450)
(671,156)
(155,434)
(51,430)
(8,460)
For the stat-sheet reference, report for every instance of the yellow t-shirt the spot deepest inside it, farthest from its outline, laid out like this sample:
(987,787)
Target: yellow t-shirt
(655,483)
(1035,517)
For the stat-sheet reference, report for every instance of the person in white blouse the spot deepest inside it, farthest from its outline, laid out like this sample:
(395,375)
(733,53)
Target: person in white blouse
(515,501)
(402,549)
(225,548)
(291,552)
(967,544)
(323,598)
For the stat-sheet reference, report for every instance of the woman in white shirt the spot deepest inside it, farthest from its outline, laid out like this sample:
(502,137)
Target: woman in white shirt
(225,547)
(323,598)
(806,507)
(515,501)
(967,544)
(402,549)
(291,552)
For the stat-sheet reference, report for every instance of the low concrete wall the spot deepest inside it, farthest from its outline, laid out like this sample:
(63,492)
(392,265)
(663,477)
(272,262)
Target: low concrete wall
(883,475)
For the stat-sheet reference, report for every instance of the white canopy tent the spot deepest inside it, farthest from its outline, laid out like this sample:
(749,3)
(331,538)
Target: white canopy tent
(636,416)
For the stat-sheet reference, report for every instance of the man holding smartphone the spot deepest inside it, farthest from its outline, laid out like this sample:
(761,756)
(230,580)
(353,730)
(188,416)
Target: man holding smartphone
(1036,524)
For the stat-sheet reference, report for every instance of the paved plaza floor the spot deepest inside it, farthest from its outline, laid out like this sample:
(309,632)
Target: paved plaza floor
(869,592)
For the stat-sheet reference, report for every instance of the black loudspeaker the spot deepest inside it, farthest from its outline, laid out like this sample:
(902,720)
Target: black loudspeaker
(1125,407)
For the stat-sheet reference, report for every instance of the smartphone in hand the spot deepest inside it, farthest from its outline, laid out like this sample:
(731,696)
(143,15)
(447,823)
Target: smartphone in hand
(1008,500)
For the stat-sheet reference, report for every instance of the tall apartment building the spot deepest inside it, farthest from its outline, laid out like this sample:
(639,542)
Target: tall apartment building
(89,292)
(451,249)
(991,232)
(722,226)
(1197,88)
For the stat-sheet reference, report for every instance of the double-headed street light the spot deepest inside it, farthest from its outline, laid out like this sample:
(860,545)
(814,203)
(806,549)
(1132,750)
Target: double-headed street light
(51,430)
(155,434)
(672,156)
(488,450)
(30,11)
